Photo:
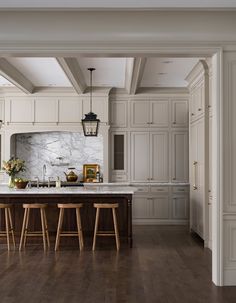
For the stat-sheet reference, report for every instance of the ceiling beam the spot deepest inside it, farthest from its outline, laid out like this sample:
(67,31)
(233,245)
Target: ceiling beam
(74,73)
(13,75)
(134,73)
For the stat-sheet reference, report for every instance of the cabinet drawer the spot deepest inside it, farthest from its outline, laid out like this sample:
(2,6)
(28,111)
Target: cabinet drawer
(141,189)
(180,189)
(159,189)
(119,178)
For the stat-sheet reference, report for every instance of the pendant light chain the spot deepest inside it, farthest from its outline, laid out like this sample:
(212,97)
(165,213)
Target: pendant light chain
(91,85)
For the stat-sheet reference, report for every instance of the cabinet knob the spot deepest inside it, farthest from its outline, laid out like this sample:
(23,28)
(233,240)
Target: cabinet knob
(173,178)
(174,123)
(199,109)
(192,114)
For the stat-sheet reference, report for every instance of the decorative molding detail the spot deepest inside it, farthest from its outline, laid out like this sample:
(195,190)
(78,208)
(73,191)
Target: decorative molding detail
(74,73)
(13,75)
(137,74)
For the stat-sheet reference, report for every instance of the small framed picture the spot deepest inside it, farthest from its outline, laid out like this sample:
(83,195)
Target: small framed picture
(90,172)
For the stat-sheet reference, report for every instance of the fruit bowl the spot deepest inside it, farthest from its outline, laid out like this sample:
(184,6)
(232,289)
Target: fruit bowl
(21,184)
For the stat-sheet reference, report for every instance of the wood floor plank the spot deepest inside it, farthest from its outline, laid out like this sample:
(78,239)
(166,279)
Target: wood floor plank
(165,265)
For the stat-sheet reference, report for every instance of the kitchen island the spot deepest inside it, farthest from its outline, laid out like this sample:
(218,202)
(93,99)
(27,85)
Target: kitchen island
(86,195)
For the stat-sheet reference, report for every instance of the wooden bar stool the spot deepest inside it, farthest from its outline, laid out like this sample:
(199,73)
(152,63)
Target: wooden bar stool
(115,233)
(9,226)
(77,233)
(44,232)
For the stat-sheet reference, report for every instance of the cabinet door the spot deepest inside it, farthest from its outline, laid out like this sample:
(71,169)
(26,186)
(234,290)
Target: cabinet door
(159,164)
(161,209)
(140,113)
(159,113)
(70,110)
(140,156)
(141,208)
(118,113)
(19,110)
(179,113)
(2,110)
(46,110)
(180,207)
(180,150)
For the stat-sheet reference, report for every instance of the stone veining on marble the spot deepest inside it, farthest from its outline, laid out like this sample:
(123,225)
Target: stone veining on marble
(38,149)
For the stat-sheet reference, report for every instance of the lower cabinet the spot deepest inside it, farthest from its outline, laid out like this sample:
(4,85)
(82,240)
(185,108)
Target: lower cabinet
(161,205)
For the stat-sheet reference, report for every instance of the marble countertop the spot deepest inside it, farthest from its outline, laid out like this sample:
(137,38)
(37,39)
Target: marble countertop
(4,189)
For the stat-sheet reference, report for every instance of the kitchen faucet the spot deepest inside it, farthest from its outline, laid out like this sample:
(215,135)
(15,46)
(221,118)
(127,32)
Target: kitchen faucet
(44,172)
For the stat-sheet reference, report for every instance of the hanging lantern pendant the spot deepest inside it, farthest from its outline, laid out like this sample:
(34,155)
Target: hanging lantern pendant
(90,123)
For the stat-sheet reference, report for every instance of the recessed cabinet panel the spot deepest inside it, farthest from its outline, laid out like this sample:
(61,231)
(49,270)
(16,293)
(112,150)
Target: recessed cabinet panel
(140,114)
(20,110)
(46,110)
(180,207)
(179,165)
(140,156)
(161,207)
(159,164)
(70,110)
(141,208)
(159,113)
(119,114)
(179,113)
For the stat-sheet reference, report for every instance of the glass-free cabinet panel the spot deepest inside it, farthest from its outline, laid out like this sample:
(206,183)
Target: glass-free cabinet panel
(159,113)
(179,113)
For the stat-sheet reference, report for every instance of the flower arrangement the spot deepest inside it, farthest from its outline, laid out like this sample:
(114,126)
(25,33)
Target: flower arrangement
(14,166)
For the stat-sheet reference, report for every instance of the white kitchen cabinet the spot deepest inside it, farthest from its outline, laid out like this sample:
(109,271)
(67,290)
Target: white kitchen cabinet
(149,113)
(142,208)
(159,156)
(46,110)
(19,110)
(179,158)
(149,157)
(160,207)
(70,110)
(118,113)
(180,207)
(140,156)
(99,107)
(119,154)
(179,113)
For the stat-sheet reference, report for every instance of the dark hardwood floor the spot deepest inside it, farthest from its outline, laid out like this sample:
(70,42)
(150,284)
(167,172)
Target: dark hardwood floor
(165,265)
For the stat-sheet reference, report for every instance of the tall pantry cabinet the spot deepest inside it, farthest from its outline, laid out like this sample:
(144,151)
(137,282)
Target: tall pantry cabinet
(198,80)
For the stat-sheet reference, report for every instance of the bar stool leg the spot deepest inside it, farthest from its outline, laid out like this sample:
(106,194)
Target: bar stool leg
(95,228)
(7,229)
(26,225)
(80,234)
(46,227)
(23,230)
(60,220)
(43,229)
(11,227)
(116,229)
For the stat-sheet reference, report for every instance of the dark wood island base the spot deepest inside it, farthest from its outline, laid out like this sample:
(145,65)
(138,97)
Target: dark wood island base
(124,211)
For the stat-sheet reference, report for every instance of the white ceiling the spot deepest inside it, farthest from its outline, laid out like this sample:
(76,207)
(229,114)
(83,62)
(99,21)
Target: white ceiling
(117,4)
(110,72)
(167,72)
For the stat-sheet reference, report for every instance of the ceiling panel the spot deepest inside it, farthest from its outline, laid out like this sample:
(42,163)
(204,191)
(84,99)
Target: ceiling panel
(167,72)
(110,72)
(41,71)
(4,82)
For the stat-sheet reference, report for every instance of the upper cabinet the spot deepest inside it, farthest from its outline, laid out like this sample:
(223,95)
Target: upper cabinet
(179,113)
(118,113)
(2,115)
(149,113)
(53,109)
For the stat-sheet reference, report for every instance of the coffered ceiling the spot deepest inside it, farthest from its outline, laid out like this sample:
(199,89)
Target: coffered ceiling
(129,74)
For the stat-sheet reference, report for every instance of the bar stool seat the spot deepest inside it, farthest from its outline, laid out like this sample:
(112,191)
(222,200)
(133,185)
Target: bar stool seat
(9,226)
(113,233)
(44,232)
(77,233)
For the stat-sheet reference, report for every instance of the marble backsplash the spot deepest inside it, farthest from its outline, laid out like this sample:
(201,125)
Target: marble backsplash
(58,151)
